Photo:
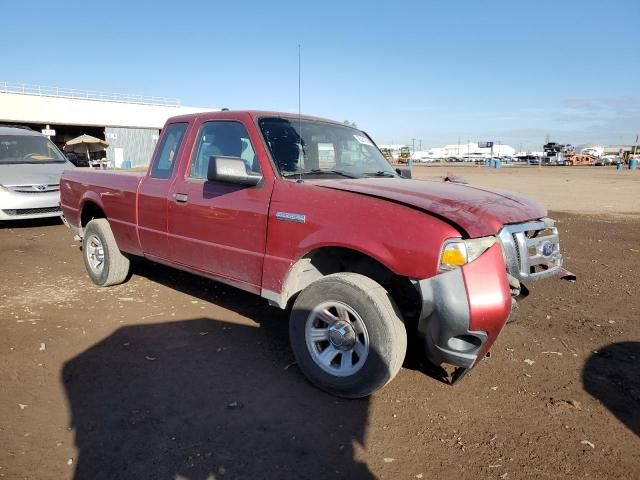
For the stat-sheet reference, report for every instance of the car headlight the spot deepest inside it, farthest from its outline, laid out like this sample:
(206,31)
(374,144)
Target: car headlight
(3,189)
(458,252)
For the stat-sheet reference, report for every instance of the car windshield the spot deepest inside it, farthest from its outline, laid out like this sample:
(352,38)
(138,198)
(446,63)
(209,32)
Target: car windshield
(314,148)
(28,149)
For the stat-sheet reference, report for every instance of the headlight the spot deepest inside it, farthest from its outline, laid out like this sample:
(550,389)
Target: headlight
(458,252)
(3,189)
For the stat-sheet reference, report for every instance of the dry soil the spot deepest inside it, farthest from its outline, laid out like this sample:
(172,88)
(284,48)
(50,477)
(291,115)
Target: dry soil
(170,376)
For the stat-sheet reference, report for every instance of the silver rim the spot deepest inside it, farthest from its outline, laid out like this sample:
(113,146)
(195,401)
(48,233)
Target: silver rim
(95,254)
(337,338)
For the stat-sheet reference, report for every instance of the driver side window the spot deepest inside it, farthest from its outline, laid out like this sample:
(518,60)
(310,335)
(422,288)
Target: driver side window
(222,139)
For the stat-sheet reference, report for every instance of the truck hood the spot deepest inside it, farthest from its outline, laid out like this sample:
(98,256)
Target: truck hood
(32,173)
(477,211)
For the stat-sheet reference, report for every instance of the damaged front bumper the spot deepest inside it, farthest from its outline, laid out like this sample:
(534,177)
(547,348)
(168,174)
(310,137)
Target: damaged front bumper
(464,310)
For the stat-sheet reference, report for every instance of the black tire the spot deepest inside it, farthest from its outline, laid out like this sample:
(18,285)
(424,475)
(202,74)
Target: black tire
(386,334)
(115,266)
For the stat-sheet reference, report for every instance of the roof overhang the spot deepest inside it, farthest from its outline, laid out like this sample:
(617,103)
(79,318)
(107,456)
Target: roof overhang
(24,108)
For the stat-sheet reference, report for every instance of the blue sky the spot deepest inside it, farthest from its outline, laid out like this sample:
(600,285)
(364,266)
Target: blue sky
(494,70)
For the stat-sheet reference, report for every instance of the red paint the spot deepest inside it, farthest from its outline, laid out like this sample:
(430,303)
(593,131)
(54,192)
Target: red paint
(488,294)
(478,211)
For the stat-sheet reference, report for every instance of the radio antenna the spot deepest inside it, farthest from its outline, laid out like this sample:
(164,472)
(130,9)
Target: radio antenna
(300,107)
(299,87)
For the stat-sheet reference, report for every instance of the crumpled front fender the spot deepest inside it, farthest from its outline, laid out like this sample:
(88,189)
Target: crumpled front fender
(464,310)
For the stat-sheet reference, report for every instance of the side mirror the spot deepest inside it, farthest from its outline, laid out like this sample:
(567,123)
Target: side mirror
(231,170)
(404,172)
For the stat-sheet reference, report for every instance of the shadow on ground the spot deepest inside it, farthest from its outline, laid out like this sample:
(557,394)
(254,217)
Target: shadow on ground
(256,308)
(200,399)
(612,375)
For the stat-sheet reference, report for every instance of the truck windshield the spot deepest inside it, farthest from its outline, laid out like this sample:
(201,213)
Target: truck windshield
(28,149)
(310,148)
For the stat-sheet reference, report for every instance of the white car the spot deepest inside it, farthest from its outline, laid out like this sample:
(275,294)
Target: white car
(30,170)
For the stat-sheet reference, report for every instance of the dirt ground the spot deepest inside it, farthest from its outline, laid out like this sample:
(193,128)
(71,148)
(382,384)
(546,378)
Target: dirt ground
(170,376)
(561,189)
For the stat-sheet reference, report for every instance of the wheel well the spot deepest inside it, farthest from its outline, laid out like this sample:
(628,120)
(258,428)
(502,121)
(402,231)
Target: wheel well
(327,260)
(90,210)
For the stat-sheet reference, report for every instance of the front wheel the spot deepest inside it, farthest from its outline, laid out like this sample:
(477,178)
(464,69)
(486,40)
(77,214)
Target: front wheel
(104,262)
(347,335)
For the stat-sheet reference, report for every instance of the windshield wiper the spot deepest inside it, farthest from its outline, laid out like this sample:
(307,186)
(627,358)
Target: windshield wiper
(328,170)
(380,173)
(316,171)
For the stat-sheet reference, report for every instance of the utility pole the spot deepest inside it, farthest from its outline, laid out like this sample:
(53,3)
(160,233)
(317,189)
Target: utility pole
(420,143)
(458,145)
(413,145)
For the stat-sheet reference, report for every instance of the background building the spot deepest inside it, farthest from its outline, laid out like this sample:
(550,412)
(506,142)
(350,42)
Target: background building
(130,124)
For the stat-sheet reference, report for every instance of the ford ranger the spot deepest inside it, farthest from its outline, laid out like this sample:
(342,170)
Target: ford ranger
(308,214)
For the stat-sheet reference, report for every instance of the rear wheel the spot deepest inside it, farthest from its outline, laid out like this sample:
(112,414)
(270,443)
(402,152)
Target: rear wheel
(347,335)
(104,262)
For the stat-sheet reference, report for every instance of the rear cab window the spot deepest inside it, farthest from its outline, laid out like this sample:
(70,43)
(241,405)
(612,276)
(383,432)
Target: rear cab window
(165,161)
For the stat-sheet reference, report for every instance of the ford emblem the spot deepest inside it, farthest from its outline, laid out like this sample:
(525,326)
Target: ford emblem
(547,249)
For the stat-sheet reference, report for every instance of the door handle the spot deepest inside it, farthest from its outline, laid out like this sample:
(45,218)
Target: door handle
(181,197)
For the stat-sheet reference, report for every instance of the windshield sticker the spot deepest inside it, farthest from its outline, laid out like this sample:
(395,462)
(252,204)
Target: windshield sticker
(363,140)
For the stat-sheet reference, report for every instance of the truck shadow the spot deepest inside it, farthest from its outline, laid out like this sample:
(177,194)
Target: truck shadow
(612,376)
(201,399)
(257,309)
(251,306)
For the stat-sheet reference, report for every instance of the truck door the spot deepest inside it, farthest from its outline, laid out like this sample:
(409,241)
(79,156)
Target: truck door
(214,227)
(154,190)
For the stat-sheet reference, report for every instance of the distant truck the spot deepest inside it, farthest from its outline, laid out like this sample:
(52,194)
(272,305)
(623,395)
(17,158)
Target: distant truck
(405,155)
(361,257)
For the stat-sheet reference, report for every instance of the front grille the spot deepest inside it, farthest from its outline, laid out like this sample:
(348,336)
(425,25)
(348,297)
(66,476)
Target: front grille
(532,249)
(30,211)
(54,187)
(515,242)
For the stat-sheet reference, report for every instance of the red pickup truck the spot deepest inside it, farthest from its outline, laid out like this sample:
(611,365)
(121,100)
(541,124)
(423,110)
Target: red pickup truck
(308,214)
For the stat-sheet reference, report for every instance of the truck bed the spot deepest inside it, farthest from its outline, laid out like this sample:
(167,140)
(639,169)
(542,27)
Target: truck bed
(115,191)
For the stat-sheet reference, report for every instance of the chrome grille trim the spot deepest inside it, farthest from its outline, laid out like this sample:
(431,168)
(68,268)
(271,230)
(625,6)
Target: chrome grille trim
(523,264)
(54,187)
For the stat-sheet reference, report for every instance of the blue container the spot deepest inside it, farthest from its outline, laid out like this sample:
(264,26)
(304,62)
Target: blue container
(620,166)
(126,164)
(487,163)
(496,163)
(633,164)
